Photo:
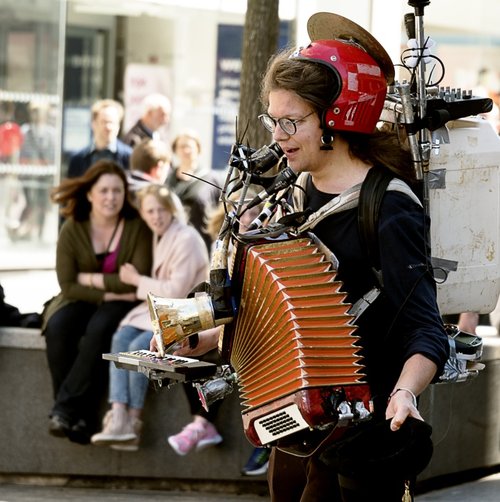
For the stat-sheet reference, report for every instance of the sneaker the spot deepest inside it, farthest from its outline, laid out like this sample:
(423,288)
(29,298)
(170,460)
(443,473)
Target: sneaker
(58,426)
(195,435)
(134,444)
(79,432)
(258,462)
(117,428)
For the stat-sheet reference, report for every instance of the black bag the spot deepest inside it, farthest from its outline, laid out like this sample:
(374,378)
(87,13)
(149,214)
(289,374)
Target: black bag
(11,316)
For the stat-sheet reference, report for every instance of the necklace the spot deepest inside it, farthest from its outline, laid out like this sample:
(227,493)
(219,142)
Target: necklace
(108,247)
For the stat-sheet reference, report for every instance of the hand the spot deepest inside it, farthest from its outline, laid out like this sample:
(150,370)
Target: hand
(400,406)
(153,345)
(207,341)
(129,275)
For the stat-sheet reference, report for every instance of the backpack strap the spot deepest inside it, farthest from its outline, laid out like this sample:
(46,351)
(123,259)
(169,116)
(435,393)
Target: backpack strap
(370,200)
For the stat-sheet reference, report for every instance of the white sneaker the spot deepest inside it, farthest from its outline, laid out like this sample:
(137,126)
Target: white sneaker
(134,444)
(116,429)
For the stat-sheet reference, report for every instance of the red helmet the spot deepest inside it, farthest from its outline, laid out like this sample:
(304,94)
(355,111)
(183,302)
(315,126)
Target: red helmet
(362,86)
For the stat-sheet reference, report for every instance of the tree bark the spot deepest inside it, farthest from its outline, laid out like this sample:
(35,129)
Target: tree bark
(260,41)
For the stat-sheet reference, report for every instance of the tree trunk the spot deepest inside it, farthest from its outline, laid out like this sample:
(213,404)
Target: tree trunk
(260,41)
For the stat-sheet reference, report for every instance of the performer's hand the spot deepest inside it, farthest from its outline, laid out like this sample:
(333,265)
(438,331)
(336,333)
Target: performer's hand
(153,346)
(400,406)
(207,341)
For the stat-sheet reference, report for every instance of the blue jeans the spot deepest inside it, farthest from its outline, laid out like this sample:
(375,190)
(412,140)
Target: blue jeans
(128,387)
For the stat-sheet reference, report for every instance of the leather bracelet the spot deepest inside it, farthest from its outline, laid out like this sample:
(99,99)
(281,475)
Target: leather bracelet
(414,397)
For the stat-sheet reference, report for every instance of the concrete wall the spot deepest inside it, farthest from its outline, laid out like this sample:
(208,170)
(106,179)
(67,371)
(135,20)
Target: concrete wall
(465,419)
(28,449)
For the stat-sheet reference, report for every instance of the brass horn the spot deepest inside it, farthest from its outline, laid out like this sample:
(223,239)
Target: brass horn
(174,320)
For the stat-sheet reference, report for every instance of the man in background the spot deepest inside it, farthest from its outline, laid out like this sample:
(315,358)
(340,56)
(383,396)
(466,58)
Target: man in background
(156,110)
(149,163)
(107,115)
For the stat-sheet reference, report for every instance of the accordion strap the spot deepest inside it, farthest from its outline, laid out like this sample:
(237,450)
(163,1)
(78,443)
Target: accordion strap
(348,199)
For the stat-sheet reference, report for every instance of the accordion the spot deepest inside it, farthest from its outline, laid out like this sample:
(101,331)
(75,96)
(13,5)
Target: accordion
(292,344)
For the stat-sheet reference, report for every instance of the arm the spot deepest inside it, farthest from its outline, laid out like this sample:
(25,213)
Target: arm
(96,280)
(468,322)
(74,254)
(181,263)
(207,341)
(135,248)
(417,374)
(418,332)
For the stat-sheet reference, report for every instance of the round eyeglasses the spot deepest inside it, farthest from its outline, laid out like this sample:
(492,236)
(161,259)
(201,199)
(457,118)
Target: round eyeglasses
(289,126)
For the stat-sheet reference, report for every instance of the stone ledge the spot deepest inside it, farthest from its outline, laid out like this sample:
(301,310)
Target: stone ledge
(465,417)
(21,338)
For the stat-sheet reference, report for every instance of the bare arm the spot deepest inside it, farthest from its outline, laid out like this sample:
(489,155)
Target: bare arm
(207,341)
(129,274)
(416,375)
(468,322)
(96,280)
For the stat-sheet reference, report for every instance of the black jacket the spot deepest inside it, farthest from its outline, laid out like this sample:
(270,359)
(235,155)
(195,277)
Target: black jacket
(83,159)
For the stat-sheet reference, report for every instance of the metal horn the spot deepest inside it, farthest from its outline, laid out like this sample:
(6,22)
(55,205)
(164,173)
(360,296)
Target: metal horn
(174,320)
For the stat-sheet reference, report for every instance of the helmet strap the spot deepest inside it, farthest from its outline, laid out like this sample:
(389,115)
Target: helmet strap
(326,141)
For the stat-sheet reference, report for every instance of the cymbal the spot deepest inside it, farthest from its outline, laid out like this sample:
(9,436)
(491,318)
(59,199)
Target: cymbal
(328,26)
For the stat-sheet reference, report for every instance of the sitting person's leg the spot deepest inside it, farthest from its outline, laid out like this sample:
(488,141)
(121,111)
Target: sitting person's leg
(62,337)
(201,432)
(86,383)
(127,391)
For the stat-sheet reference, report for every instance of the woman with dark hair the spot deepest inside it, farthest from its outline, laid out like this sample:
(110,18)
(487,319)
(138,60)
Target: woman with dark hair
(102,231)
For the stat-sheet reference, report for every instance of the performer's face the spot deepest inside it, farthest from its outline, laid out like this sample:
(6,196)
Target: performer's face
(302,148)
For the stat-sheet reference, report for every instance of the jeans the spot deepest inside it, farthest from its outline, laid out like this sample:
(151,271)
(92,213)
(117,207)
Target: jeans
(128,387)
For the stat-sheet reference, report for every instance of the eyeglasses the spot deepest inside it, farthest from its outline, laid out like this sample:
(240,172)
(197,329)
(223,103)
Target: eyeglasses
(287,125)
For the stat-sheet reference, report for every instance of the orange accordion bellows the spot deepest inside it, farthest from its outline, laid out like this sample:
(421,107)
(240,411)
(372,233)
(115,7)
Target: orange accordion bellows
(292,344)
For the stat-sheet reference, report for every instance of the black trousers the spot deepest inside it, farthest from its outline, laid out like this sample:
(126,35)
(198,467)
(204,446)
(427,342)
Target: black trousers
(195,406)
(76,337)
(297,479)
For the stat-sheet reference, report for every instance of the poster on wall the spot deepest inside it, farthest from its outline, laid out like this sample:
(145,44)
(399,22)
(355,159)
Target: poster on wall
(139,81)
(227,88)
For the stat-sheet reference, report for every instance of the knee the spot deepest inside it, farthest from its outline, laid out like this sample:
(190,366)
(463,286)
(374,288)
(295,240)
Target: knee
(140,343)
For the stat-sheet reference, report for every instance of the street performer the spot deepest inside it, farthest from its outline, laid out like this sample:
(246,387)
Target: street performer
(323,103)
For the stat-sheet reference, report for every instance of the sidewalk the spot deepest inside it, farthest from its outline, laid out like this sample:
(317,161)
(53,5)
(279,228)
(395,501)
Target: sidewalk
(486,489)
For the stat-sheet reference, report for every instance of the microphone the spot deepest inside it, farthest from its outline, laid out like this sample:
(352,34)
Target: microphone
(265,158)
(256,161)
(283,180)
(269,209)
